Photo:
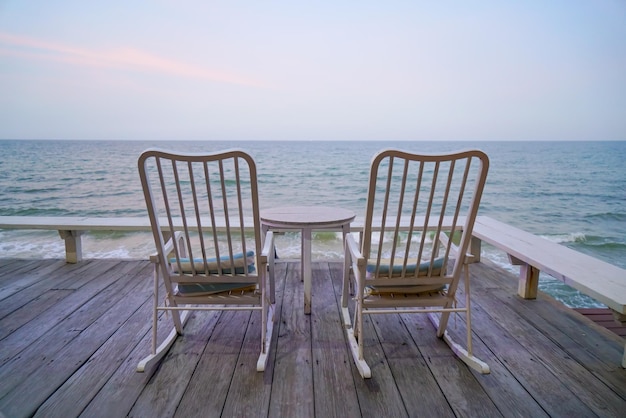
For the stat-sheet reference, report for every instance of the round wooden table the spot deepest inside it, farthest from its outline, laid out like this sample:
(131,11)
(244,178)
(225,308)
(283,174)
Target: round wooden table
(306,219)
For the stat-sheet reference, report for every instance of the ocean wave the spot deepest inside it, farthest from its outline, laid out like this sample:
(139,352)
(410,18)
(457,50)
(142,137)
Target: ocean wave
(609,246)
(34,212)
(603,247)
(565,238)
(588,239)
(34,190)
(608,216)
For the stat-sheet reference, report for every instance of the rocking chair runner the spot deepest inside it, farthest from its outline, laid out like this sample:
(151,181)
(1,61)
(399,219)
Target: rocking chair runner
(202,208)
(418,225)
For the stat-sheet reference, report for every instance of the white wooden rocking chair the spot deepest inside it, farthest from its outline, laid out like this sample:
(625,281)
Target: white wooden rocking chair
(418,225)
(204,212)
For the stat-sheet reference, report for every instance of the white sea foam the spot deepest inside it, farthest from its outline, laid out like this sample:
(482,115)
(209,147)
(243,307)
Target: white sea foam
(564,238)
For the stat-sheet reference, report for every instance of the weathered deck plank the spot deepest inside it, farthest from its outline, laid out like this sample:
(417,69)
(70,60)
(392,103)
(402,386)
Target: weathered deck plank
(335,394)
(569,336)
(71,337)
(163,393)
(76,393)
(417,384)
(26,283)
(204,393)
(559,381)
(68,345)
(292,381)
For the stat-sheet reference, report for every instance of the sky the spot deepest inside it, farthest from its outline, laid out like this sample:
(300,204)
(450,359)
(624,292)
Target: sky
(313,70)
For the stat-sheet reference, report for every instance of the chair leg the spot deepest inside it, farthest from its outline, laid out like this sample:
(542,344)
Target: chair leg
(266,338)
(345,315)
(353,330)
(472,361)
(464,354)
(157,353)
(345,289)
(267,316)
(162,349)
(271,268)
(354,334)
(359,361)
(468,315)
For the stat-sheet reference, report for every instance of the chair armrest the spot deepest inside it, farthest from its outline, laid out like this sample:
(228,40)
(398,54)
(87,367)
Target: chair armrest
(268,247)
(169,247)
(469,257)
(355,252)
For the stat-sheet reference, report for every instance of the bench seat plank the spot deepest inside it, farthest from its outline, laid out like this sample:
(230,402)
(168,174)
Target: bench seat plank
(596,278)
(71,223)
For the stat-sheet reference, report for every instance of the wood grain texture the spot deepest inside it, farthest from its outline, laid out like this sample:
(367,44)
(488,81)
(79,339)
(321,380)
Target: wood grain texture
(76,354)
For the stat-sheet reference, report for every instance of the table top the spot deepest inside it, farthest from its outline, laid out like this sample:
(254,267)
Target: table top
(305,216)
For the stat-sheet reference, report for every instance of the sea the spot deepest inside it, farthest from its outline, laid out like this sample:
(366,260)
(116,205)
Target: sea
(572,193)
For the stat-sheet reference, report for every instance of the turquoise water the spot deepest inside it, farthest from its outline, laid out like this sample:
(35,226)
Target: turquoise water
(573,193)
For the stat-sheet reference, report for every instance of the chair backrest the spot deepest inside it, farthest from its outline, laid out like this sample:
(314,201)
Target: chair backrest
(213,200)
(410,193)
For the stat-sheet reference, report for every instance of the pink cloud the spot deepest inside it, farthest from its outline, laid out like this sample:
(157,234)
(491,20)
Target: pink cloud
(119,58)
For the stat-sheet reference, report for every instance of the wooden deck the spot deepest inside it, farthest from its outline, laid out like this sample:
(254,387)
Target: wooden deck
(71,336)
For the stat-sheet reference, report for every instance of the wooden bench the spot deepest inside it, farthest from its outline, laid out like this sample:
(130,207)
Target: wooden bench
(72,228)
(602,281)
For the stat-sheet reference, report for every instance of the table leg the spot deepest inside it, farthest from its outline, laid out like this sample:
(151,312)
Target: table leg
(306,268)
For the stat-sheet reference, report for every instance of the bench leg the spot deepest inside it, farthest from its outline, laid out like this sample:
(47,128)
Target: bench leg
(474,249)
(73,246)
(528,281)
(528,278)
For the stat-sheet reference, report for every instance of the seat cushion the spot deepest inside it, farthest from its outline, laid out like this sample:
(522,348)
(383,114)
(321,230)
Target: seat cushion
(241,261)
(398,263)
(396,272)
(203,289)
